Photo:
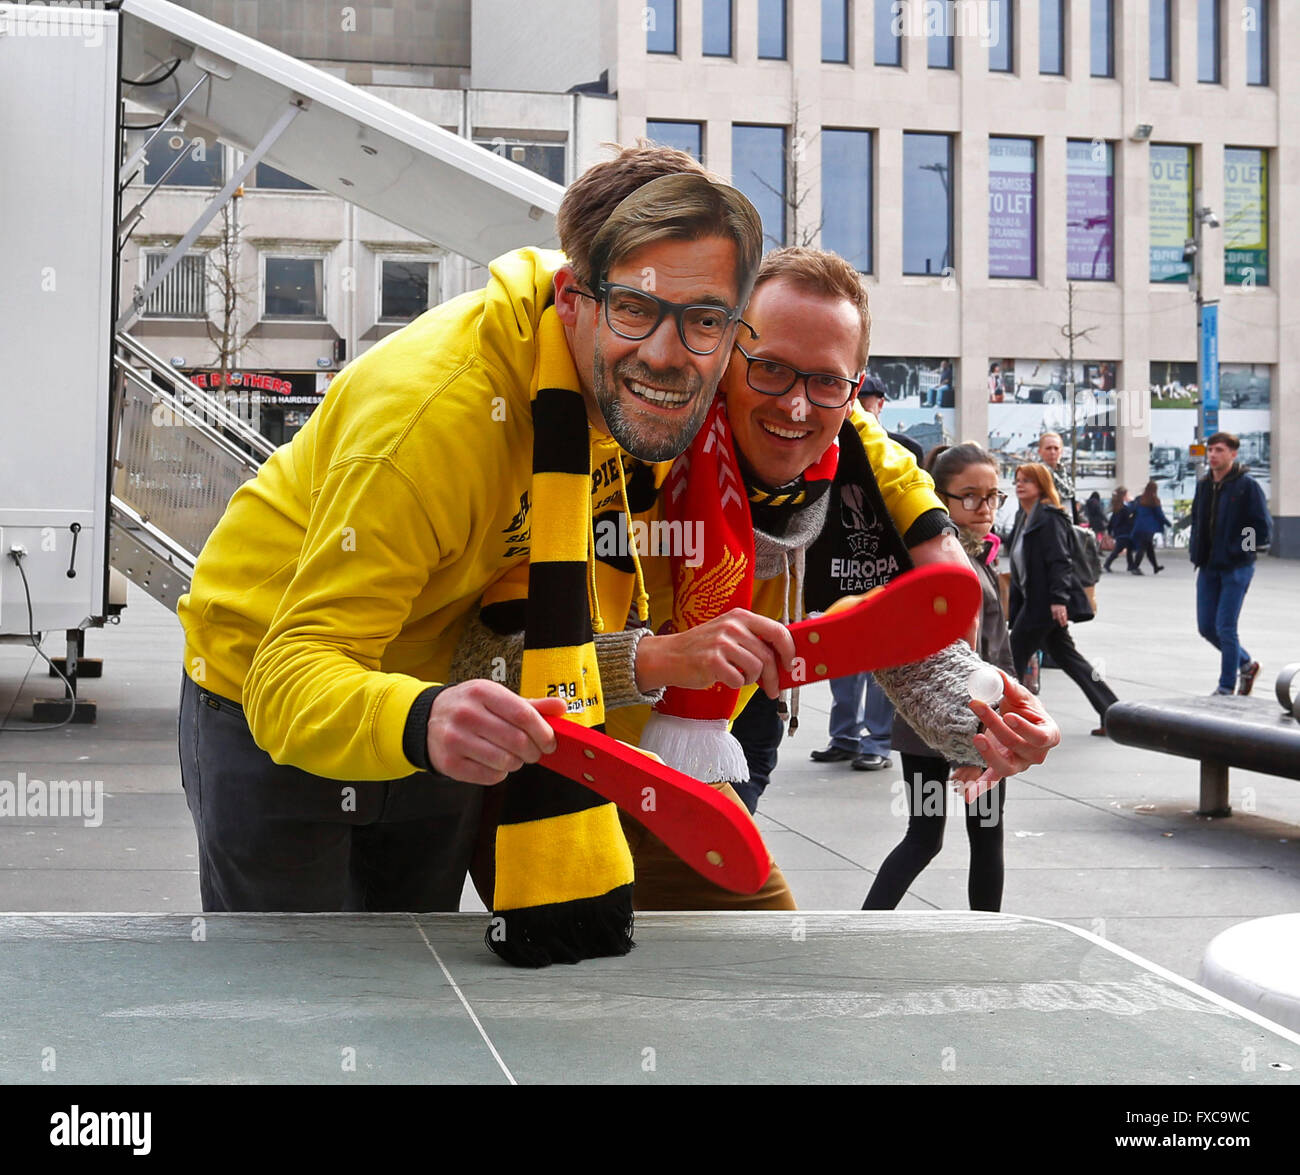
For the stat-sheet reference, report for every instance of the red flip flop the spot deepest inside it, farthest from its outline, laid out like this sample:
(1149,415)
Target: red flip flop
(910,618)
(715,836)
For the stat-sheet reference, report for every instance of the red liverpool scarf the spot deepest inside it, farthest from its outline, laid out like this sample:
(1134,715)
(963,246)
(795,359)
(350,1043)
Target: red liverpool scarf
(688,728)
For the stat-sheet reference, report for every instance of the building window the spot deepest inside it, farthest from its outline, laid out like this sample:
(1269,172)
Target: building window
(546,159)
(1254,15)
(660,19)
(294,287)
(183,292)
(1051,36)
(758,170)
(1170,193)
(266,176)
(1103,38)
(1207,40)
(889,32)
(938,35)
(771,29)
(835,30)
(1001,31)
(1162,42)
(404,285)
(1089,210)
(717,28)
(1245,217)
(846,196)
(685,136)
(927,203)
(1013,208)
(201,165)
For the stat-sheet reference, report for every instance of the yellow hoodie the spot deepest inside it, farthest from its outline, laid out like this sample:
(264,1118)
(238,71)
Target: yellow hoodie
(333,591)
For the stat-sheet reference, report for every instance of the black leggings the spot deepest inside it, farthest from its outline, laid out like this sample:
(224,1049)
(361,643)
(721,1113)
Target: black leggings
(925,780)
(1121,545)
(1146,547)
(1055,639)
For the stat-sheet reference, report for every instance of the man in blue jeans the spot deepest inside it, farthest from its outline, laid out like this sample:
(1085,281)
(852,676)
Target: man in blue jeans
(862,717)
(1230,522)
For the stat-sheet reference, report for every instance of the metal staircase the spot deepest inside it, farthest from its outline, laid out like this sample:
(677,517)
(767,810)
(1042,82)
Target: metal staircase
(179,455)
(178,452)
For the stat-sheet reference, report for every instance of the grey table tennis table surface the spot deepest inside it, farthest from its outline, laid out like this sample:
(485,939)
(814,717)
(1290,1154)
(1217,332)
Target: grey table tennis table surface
(897,997)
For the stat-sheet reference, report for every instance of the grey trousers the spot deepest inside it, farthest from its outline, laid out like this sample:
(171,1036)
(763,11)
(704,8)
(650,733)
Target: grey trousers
(274,838)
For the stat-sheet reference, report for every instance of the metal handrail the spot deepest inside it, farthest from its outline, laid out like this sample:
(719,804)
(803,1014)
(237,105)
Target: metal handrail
(186,390)
(187,414)
(175,554)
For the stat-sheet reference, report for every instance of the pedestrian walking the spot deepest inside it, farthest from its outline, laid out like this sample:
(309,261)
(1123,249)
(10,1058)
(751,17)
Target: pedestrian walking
(1050,449)
(1120,525)
(1230,523)
(1045,592)
(1095,514)
(1148,522)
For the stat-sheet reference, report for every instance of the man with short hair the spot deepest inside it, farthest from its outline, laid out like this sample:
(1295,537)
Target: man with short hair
(1230,523)
(324,766)
(862,716)
(809,310)
(872,399)
(825,490)
(1050,447)
(837,509)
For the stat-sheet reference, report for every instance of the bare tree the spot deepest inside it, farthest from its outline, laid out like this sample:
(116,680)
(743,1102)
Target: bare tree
(1070,334)
(800,227)
(803,229)
(227,286)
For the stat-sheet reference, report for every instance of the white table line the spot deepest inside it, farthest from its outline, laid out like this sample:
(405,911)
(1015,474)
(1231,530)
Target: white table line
(510,1077)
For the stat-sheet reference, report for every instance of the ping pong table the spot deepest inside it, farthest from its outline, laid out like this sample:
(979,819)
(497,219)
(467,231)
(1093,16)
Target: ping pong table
(899,997)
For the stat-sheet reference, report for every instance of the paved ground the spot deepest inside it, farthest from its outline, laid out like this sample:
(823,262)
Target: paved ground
(1100,836)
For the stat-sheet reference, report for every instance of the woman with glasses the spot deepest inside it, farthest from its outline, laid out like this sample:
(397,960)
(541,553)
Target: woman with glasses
(1045,592)
(966,477)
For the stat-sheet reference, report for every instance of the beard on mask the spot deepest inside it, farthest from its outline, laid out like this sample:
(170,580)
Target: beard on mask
(637,428)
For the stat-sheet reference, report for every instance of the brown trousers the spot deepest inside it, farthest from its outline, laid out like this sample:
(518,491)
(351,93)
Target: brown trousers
(665,882)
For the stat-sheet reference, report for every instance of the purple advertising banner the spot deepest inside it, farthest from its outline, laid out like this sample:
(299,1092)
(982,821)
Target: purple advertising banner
(1011,208)
(1090,211)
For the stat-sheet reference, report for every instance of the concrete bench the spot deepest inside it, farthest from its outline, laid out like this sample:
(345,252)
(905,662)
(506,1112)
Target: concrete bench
(1252,733)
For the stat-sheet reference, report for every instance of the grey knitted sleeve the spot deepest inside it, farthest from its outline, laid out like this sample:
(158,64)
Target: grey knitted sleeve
(932,697)
(484,652)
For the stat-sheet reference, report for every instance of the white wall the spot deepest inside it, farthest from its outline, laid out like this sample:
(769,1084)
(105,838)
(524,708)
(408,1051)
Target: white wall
(540,44)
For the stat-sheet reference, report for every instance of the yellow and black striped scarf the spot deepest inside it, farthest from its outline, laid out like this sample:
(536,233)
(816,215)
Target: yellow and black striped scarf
(563,869)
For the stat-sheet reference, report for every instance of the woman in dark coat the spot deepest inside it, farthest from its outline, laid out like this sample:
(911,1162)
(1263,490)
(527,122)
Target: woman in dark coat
(965,474)
(1122,513)
(1095,515)
(1149,522)
(1045,592)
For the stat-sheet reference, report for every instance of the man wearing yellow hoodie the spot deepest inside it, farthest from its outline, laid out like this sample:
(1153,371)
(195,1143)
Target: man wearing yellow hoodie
(836,508)
(324,766)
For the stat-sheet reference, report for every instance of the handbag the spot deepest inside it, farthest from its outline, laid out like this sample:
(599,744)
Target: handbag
(1085,555)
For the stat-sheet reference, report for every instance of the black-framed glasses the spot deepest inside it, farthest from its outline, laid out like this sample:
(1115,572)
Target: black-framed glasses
(775,379)
(636,315)
(973,502)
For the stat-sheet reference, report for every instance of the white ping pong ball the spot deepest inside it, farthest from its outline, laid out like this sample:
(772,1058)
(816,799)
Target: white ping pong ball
(985,685)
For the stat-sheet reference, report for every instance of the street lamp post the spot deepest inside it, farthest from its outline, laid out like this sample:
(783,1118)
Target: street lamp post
(1207,321)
